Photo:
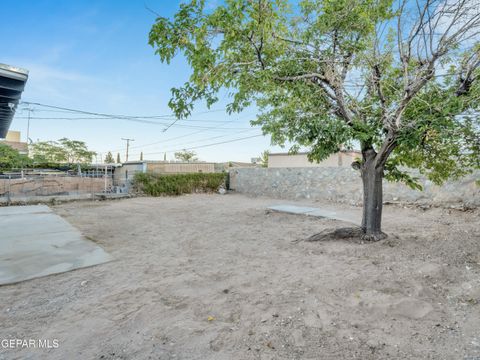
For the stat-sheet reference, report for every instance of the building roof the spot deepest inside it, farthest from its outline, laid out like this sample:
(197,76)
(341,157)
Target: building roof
(306,153)
(135,162)
(236,164)
(12,83)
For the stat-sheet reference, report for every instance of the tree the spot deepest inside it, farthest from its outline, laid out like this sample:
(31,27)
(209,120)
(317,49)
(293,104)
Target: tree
(186,155)
(399,79)
(264,158)
(118,158)
(61,151)
(76,151)
(11,158)
(109,158)
(47,152)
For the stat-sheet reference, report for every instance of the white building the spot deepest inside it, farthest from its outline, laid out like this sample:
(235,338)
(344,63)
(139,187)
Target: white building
(285,160)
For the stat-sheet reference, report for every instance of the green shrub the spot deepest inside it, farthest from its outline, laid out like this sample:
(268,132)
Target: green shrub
(177,184)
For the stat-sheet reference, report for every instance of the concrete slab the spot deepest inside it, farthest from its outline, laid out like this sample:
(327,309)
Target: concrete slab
(292,209)
(311,211)
(17,210)
(36,242)
(334,215)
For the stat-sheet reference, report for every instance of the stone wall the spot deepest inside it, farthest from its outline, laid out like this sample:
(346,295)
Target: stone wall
(345,185)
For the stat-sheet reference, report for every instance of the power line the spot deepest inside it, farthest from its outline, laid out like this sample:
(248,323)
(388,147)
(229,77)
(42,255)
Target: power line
(115,116)
(186,135)
(205,139)
(99,115)
(140,119)
(102,118)
(207,145)
(169,126)
(215,128)
(216,137)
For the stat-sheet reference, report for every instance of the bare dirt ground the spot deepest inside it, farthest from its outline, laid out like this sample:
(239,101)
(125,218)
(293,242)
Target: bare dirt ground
(217,277)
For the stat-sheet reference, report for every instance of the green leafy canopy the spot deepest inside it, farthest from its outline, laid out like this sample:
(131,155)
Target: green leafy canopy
(11,158)
(398,78)
(62,151)
(186,155)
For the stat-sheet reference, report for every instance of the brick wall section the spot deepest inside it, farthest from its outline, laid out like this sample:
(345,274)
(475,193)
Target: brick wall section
(344,185)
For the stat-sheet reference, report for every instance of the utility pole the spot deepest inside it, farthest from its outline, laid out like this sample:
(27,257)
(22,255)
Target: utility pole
(128,144)
(29,142)
(28,123)
(29,109)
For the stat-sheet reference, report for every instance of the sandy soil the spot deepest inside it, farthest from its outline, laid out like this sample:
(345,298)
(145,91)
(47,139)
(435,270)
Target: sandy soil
(217,277)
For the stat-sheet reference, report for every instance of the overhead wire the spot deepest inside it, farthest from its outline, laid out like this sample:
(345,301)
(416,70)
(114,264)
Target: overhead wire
(200,140)
(206,145)
(136,118)
(102,118)
(215,128)
(114,116)
(99,115)
(182,136)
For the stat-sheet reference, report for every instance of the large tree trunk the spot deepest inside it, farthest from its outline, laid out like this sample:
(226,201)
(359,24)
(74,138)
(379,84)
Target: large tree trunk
(371,168)
(372,177)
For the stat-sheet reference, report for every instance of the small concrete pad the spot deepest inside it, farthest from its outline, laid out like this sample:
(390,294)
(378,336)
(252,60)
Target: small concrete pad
(334,215)
(311,211)
(292,209)
(35,242)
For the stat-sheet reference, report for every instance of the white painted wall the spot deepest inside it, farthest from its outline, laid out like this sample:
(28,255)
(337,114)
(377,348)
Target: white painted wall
(343,159)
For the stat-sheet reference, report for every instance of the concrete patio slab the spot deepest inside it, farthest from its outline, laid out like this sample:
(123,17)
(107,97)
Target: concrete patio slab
(35,242)
(311,211)
(17,210)
(292,209)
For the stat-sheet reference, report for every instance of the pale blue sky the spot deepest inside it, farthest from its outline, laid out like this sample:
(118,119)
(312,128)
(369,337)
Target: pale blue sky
(94,56)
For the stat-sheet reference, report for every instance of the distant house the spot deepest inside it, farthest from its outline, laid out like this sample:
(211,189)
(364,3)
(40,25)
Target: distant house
(285,160)
(12,139)
(127,171)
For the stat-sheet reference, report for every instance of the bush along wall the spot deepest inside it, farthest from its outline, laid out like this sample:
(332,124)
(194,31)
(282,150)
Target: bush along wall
(177,184)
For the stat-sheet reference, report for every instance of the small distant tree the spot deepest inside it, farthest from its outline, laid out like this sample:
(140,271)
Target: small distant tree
(118,158)
(264,158)
(109,158)
(186,155)
(141,156)
(11,158)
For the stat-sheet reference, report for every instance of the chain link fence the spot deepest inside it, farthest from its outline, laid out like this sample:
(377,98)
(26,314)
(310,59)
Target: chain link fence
(31,187)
